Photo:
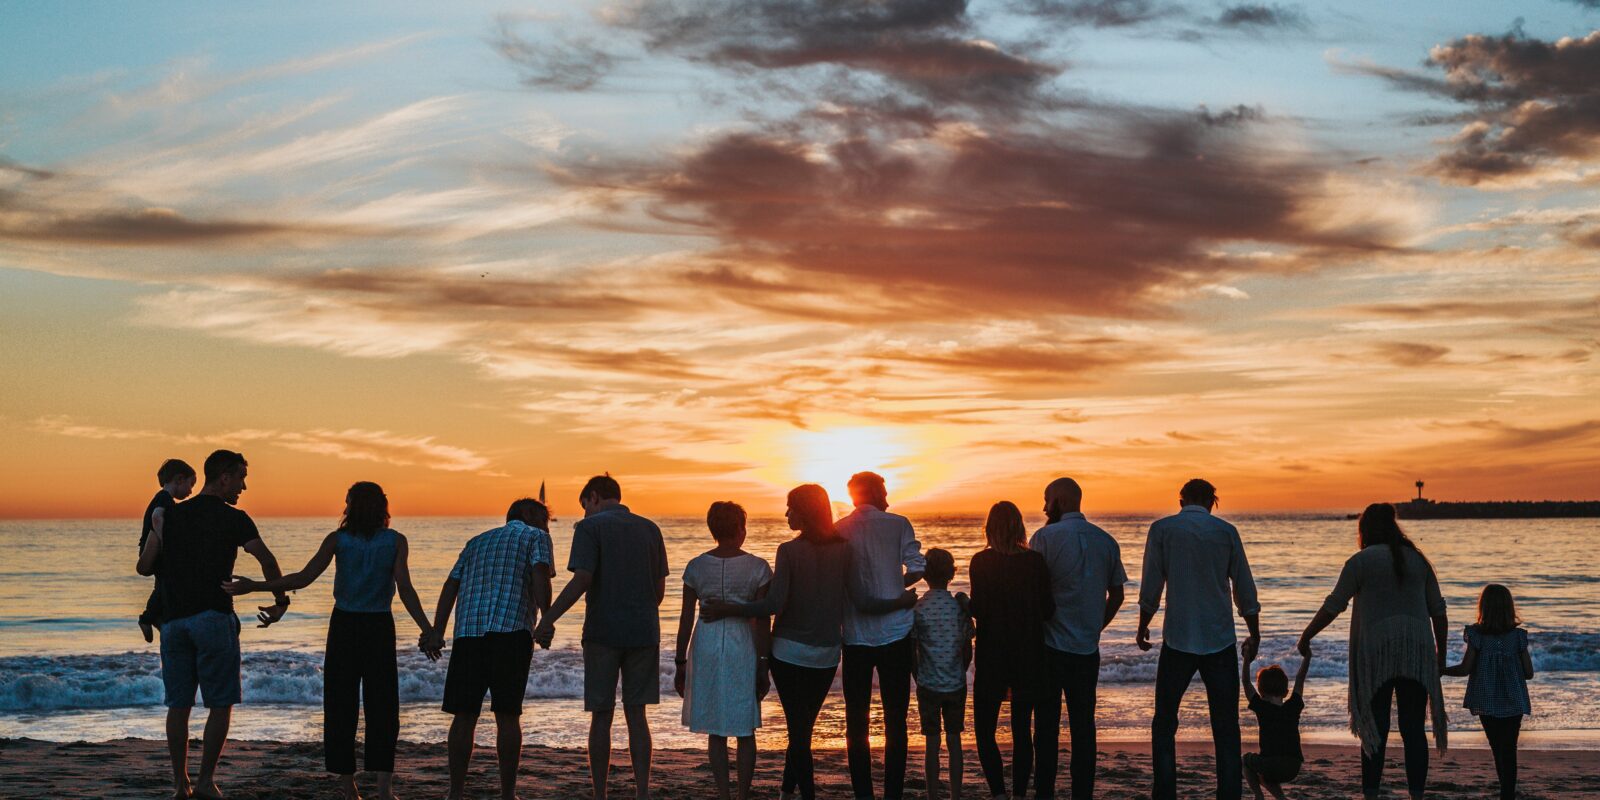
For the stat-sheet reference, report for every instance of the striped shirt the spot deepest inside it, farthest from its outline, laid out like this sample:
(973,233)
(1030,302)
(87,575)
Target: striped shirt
(493,571)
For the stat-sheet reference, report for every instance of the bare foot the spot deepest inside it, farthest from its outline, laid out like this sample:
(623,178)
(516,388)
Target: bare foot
(148,630)
(207,790)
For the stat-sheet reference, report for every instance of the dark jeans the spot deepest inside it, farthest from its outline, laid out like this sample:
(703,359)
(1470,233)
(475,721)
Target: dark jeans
(894,664)
(986,699)
(360,669)
(1502,733)
(1220,672)
(1412,698)
(1077,677)
(801,691)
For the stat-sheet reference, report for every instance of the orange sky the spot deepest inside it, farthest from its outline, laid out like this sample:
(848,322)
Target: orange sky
(459,252)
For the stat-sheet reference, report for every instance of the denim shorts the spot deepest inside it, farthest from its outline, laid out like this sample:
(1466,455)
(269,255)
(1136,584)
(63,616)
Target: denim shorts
(201,651)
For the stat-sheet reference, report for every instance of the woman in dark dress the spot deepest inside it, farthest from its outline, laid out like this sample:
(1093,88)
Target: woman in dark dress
(1011,601)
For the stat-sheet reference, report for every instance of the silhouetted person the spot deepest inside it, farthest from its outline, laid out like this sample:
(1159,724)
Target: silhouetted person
(500,583)
(177,481)
(1011,602)
(1398,634)
(360,666)
(619,563)
(886,559)
(1086,580)
(193,555)
(1196,558)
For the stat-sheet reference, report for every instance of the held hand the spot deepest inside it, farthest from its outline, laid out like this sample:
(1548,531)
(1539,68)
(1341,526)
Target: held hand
(1304,646)
(713,610)
(908,599)
(763,681)
(544,634)
(1252,646)
(1143,639)
(240,585)
(267,615)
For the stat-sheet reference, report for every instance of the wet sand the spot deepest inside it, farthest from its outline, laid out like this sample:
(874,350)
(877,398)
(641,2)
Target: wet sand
(136,768)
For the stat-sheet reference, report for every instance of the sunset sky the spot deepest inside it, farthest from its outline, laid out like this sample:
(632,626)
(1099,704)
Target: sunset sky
(1312,252)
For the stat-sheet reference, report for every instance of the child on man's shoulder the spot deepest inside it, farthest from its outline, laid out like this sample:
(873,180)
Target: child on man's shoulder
(177,481)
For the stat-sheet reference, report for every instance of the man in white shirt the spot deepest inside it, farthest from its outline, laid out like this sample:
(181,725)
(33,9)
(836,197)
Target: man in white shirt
(1196,557)
(886,558)
(1086,578)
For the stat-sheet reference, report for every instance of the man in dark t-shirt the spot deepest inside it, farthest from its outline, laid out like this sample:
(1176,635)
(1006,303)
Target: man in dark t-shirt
(619,563)
(192,553)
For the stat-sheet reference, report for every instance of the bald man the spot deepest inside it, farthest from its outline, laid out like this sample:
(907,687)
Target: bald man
(1086,578)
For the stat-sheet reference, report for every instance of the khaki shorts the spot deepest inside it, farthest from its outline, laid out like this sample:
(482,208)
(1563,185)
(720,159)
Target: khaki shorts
(638,667)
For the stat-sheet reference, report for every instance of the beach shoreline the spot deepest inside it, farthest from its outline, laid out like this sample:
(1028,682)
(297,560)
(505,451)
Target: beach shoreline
(258,770)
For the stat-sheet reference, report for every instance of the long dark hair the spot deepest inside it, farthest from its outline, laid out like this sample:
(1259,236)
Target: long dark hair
(815,512)
(1379,525)
(1497,612)
(366,509)
(1004,529)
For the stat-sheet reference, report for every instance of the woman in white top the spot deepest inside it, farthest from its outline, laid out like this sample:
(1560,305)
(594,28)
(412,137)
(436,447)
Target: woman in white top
(718,674)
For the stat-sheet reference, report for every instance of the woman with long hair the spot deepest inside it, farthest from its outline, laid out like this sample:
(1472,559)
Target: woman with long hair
(1398,632)
(807,600)
(360,666)
(1011,602)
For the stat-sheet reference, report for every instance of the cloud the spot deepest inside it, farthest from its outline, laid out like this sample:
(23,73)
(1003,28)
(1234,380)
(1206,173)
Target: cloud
(1099,13)
(1410,354)
(349,444)
(1255,16)
(1507,435)
(924,47)
(1081,221)
(152,227)
(1534,106)
(559,62)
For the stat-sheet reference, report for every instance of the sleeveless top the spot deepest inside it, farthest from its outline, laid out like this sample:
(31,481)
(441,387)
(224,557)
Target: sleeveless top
(363,581)
(1496,687)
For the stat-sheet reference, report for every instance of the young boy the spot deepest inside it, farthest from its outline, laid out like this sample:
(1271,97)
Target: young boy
(177,481)
(944,651)
(1278,718)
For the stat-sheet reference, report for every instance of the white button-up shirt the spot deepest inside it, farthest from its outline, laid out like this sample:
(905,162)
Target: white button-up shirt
(1084,563)
(1196,557)
(884,548)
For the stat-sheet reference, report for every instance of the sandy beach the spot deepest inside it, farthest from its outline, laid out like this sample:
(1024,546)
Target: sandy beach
(136,768)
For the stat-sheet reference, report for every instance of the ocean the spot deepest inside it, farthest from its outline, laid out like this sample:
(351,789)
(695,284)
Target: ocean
(74,667)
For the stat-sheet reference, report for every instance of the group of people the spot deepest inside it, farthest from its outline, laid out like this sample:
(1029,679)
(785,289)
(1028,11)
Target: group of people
(839,597)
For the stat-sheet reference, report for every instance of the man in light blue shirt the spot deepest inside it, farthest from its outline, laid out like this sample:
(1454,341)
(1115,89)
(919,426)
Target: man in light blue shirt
(1199,560)
(1086,578)
(885,559)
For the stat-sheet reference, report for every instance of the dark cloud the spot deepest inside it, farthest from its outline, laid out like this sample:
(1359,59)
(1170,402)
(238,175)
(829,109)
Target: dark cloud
(1044,218)
(9,165)
(1259,17)
(1099,13)
(435,291)
(1508,435)
(925,47)
(153,227)
(1027,362)
(558,62)
(1475,309)
(1534,102)
(1410,354)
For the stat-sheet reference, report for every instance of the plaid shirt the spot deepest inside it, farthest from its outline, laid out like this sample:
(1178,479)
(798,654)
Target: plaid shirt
(493,572)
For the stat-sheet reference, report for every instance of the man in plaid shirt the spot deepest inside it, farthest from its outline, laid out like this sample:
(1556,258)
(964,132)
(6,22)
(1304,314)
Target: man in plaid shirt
(500,581)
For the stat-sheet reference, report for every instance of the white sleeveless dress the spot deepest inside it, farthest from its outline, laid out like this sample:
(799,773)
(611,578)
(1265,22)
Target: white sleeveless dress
(719,695)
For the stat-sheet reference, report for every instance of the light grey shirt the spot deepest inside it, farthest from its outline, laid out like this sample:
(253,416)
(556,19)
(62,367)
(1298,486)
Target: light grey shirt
(1084,563)
(1199,559)
(884,548)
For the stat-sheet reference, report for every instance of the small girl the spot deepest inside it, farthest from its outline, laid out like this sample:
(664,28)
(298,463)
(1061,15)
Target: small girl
(721,665)
(1498,667)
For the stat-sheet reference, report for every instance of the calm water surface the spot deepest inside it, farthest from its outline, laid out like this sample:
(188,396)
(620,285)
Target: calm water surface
(73,666)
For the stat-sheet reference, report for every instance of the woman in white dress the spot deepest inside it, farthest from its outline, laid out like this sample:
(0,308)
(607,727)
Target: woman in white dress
(719,674)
